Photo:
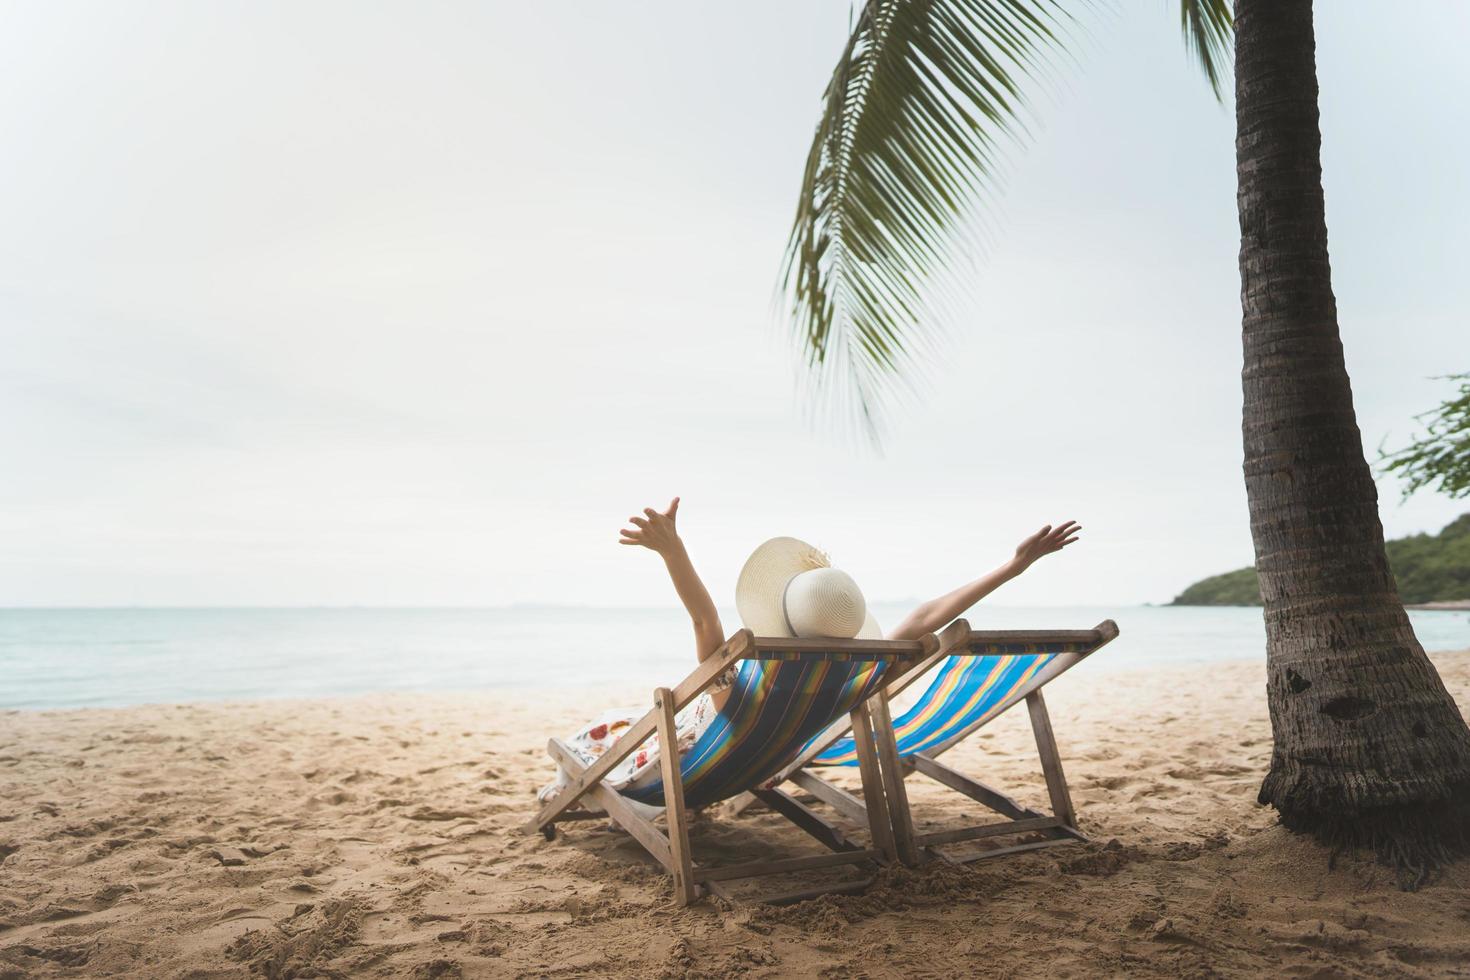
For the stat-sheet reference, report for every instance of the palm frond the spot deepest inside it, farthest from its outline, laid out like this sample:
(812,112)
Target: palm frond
(1209,33)
(912,117)
(925,94)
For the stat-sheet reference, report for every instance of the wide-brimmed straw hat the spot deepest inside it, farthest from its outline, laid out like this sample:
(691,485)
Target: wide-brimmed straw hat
(789,588)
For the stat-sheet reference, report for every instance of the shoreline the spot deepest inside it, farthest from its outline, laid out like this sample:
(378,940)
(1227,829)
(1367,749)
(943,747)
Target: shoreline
(58,663)
(1442,605)
(600,694)
(379,835)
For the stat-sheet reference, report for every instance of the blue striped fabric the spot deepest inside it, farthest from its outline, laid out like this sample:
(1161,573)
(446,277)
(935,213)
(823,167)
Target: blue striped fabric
(964,690)
(775,707)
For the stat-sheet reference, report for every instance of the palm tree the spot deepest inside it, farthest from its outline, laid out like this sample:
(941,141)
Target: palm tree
(1369,748)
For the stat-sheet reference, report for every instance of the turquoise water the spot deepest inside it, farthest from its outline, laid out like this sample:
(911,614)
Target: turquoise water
(68,658)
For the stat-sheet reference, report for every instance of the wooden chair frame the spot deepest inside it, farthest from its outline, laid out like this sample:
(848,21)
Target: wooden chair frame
(877,756)
(1057,827)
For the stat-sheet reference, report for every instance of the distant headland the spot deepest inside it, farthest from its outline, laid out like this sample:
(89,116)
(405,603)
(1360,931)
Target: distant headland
(1433,572)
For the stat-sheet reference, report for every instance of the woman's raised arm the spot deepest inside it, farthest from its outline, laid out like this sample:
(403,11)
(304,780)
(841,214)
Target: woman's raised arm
(937,613)
(657,532)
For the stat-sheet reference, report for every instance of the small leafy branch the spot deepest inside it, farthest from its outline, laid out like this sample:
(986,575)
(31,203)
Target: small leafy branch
(1442,453)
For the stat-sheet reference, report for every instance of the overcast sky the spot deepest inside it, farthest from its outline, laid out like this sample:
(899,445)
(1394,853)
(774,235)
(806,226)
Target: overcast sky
(415,303)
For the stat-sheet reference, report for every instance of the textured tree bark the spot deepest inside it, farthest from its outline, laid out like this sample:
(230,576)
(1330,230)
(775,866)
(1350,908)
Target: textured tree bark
(1369,748)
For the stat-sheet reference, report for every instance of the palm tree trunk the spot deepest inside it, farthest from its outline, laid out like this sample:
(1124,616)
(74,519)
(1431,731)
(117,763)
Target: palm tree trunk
(1369,748)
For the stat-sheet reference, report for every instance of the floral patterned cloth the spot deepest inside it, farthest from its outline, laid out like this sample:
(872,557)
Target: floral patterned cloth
(590,742)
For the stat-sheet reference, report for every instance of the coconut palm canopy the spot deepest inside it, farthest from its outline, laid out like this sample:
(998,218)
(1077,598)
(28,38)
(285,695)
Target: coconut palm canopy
(923,96)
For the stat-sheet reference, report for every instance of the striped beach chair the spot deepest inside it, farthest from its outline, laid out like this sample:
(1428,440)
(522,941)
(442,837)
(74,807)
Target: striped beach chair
(977,675)
(787,691)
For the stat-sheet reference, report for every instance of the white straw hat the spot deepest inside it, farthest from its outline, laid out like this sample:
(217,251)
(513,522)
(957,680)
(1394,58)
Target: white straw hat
(789,588)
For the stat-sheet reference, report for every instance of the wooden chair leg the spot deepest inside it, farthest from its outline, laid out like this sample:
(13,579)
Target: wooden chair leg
(740,804)
(973,788)
(685,888)
(879,823)
(893,785)
(625,813)
(1051,761)
(836,797)
(806,819)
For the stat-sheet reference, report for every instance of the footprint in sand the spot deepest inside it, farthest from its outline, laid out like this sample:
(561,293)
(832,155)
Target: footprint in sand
(308,940)
(330,799)
(1109,782)
(429,813)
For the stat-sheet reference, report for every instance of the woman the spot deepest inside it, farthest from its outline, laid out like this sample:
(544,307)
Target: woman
(786,588)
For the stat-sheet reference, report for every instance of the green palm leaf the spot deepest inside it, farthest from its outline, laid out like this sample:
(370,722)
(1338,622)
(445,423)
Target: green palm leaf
(1209,29)
(924,94)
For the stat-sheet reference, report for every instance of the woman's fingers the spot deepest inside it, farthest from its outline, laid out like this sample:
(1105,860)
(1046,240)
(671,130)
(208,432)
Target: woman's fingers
(650,526)
(1063,532)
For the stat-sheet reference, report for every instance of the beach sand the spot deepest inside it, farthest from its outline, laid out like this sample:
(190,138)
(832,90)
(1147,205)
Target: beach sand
(379,837)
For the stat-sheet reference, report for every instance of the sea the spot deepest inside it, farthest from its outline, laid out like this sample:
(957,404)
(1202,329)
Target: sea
(87,658)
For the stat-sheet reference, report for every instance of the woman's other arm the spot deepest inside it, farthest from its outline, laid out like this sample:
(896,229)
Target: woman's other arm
(937,613)
(657,532)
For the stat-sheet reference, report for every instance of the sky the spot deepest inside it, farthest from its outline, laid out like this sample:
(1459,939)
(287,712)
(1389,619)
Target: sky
(415,303)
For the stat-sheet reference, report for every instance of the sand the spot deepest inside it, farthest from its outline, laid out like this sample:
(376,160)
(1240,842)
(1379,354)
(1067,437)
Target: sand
(379,837)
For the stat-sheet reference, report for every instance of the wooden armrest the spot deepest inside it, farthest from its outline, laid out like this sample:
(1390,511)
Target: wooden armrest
(1100,635)
(800,647)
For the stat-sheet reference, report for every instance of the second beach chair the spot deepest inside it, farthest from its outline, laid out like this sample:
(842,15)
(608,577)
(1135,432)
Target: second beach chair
(977,675)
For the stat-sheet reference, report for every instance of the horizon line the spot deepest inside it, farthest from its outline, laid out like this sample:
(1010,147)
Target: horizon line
(502,607)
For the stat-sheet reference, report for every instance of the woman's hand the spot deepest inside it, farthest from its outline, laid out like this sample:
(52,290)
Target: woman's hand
(1044,542)
(654,531)
(934,614)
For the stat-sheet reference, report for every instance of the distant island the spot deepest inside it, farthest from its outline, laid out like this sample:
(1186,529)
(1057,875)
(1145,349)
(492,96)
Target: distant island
(1431,569)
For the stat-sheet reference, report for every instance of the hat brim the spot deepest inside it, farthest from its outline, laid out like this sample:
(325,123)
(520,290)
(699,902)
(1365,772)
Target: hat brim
(760,591)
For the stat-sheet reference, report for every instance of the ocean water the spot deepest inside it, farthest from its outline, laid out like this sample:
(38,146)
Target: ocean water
(72,658)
